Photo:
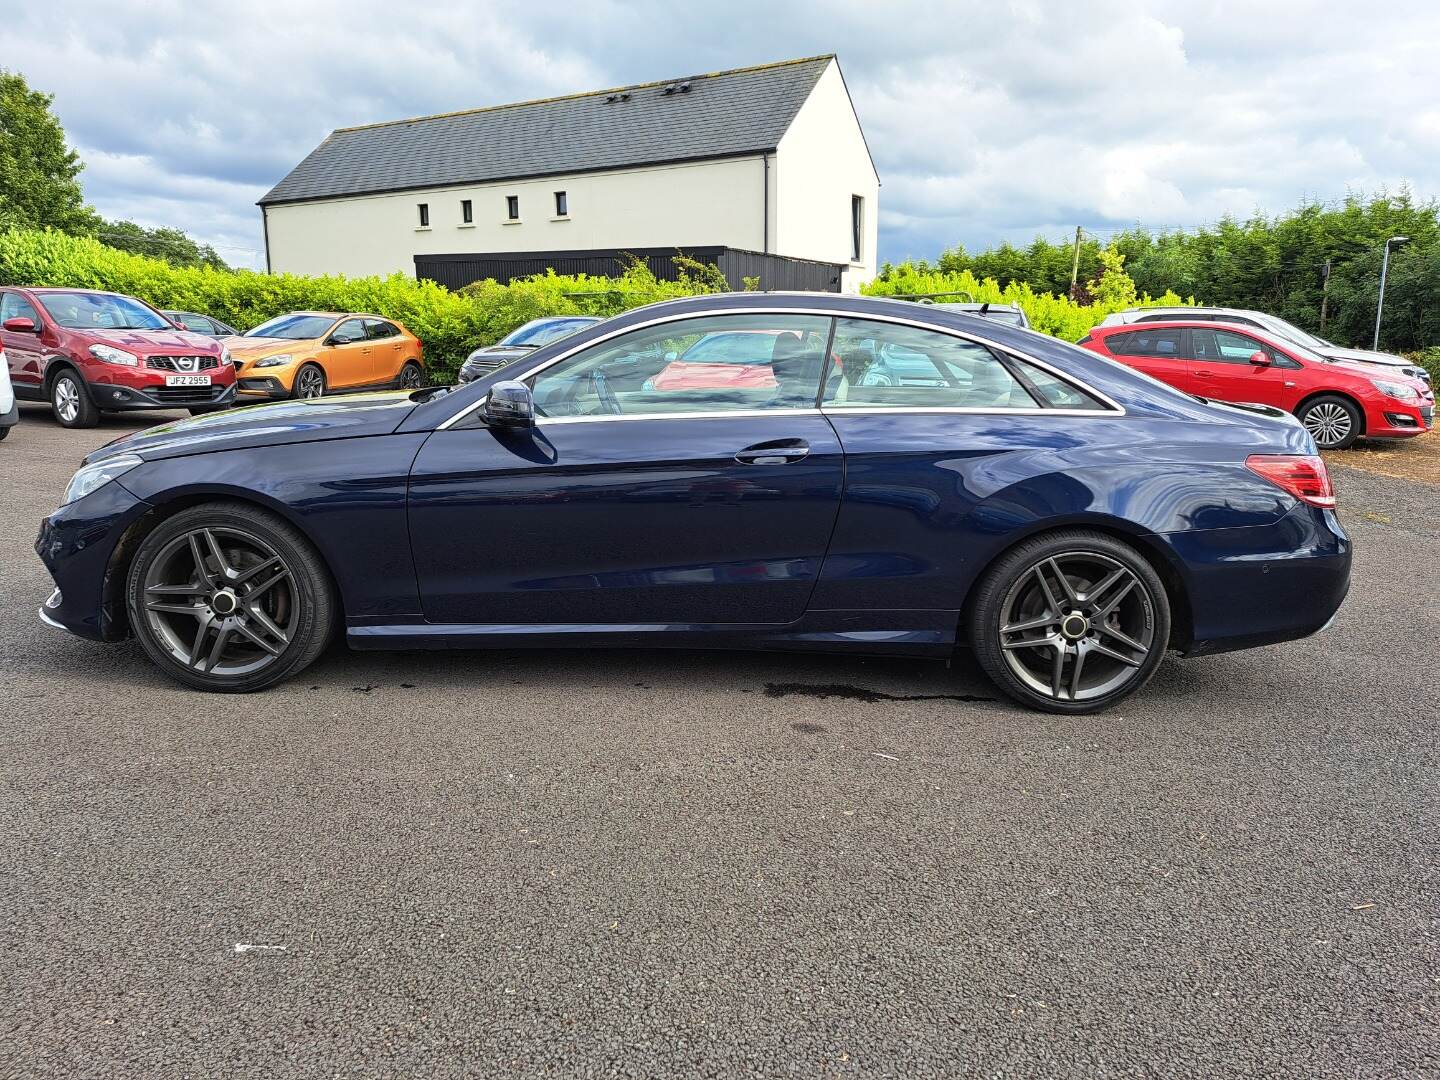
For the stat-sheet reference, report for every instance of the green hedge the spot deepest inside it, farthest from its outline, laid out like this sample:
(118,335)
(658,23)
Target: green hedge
(449,324)
(1056,315)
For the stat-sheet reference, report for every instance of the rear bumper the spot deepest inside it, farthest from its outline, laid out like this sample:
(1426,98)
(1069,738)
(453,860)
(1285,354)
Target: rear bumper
(1264,584)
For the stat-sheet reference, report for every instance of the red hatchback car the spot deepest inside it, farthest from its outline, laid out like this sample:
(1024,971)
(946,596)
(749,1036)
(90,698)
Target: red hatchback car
(86,352)
(1336,401)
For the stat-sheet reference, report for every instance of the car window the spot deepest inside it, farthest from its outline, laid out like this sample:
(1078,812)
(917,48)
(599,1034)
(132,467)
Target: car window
(15,306)
(379,329)
(1055,391)
(641,373)
(293,327)
(1228,347)
(886,365)
(198,323)
(348,332)
(1166,344)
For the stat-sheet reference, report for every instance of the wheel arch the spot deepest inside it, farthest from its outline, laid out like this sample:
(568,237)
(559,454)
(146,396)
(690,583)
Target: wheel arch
(123,555)
(1342,395)
(1150,547)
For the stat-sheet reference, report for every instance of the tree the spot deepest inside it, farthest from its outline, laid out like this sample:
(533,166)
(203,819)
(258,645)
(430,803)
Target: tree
(39,185)
(172,245)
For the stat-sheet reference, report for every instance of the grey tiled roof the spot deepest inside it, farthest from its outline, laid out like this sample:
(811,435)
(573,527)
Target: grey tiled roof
(723,114)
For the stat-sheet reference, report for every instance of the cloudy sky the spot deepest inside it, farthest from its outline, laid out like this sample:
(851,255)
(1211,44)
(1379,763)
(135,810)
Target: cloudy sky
(987,121)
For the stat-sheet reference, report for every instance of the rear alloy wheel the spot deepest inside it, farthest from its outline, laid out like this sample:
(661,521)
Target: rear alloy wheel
(1333,422)
(309,382)
(229,598)
(1070,622)
(71,402)
(411,376)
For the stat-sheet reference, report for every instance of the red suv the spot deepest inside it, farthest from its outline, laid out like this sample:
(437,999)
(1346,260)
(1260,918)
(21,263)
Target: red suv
(1335,400)
(86,352)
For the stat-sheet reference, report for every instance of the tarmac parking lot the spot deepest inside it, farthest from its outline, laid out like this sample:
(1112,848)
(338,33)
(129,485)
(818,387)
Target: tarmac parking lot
(678,864)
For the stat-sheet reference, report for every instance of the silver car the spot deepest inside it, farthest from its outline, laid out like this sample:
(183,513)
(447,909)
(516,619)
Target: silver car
(1277,326)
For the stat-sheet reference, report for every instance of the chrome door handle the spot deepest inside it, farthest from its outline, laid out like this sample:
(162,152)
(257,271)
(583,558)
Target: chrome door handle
(773,454)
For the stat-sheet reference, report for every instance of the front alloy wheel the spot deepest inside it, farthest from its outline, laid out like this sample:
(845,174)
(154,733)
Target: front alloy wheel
(229,598)
(1332,422)
(1071,623)
(309,382)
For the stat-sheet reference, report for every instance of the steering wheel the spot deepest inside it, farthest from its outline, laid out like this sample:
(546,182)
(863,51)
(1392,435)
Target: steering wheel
(609,403)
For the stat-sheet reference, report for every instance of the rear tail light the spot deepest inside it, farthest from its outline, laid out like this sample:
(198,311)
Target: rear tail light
(1303,476)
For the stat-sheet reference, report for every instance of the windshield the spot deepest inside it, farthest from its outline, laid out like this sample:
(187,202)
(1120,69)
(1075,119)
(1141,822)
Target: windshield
(536,334)
(1295,334)
(101,311)
(293,327)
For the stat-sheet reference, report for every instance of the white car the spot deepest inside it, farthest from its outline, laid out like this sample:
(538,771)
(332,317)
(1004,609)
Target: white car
(1277,326)
(9,411)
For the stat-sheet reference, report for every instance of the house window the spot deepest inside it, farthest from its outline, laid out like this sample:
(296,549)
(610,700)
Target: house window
(562,205)
(512,207)
(857,228)
(467,211)
(424,209)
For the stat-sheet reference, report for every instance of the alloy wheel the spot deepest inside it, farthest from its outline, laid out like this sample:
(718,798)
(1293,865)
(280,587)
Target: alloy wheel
(410,378)
(1077,626)
(221,601)
(67,399)
(1328,423)
(311,383)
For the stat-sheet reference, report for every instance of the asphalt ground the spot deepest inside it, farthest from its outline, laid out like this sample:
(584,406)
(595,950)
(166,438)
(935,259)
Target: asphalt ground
(678,864)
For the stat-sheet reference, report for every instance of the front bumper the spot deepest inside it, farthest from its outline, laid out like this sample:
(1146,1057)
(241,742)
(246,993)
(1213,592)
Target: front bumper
(262,388)
(76,544)
(122,397)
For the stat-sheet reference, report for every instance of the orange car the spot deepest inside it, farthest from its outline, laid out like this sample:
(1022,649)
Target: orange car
(307,353)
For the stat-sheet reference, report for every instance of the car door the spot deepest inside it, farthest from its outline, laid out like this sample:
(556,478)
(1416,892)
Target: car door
(1160,352)
(1224,367)
(24,351)
(387,349)
(628,506)
(347,356)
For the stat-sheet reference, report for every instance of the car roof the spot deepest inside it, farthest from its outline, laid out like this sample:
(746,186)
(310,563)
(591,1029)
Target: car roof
(1193,324)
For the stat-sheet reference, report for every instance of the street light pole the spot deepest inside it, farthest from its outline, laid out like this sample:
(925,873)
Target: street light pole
(1384,269)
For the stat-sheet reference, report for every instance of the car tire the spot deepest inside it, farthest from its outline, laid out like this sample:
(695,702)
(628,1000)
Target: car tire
(1334,422)
(1070,621)
(229,598)
(70,400)
(309,382)
(411,377)
(4,431)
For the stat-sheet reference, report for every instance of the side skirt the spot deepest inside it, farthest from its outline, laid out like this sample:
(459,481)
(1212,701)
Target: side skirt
(883,633)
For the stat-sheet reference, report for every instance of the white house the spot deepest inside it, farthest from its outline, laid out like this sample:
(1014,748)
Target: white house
(762,170)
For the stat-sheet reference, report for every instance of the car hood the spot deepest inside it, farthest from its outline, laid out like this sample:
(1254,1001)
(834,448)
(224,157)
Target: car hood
(151,342)
(252,348)
(346,417)
(1366,356)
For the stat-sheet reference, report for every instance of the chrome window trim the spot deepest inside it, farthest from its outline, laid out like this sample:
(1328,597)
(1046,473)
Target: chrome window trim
(1113,407)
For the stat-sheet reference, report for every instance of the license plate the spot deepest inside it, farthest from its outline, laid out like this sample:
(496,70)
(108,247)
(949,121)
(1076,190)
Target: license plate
(187,380)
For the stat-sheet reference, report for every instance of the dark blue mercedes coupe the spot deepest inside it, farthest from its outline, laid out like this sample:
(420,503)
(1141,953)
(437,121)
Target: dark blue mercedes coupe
(847,474)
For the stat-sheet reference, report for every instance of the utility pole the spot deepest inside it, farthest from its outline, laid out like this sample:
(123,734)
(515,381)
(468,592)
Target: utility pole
(1384,269)
(1075,262)
(1324,293)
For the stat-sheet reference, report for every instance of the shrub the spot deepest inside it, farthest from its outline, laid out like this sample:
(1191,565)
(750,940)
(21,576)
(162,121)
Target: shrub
(1429,359)
(449,324)
(1057,315)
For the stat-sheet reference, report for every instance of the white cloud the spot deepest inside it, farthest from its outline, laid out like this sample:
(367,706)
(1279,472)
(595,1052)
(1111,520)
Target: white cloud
(988,121)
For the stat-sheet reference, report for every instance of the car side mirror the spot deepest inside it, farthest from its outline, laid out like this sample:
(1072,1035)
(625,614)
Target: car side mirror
(19,324)
(510,405)
(1260,359)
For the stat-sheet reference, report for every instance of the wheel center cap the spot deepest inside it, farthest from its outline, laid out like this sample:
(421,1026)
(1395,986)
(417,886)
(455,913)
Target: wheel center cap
(1075,626)
(224,603)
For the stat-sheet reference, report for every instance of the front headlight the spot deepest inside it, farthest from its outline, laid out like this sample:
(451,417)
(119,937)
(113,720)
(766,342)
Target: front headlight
(1398,391)
(275,361)
(91,477)
(112,355)
(225,357)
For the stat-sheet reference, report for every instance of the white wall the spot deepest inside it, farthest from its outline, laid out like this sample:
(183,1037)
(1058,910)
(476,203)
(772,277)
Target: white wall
(718,202)
(821,163)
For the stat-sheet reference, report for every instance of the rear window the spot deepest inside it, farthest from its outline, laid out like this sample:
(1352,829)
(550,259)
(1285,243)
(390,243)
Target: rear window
(1163,344)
